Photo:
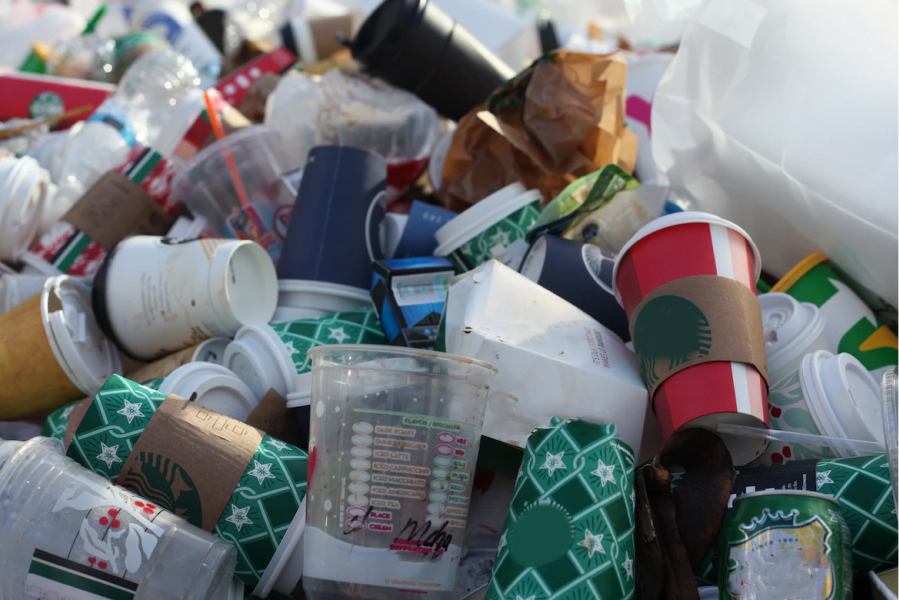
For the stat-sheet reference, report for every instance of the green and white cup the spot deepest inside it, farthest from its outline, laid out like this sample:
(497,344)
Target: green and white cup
(494,228)
(570,528)
(262,513)
(829,395)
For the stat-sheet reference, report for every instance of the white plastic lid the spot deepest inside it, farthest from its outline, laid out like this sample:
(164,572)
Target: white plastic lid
(789,325)
(482,215)
(682,218)
(261,360)
(532,267)
(303,394)
(212,350)
(326,288)
(285,570)
(80,347)
(23,190)
(216,388)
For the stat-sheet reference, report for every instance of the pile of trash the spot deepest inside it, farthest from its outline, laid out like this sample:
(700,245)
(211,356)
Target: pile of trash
(464,299)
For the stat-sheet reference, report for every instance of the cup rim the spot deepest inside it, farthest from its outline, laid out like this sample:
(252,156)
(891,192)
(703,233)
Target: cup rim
(402,351)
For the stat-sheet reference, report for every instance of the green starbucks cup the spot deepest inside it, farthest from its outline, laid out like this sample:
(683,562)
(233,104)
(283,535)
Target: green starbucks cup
(570,528)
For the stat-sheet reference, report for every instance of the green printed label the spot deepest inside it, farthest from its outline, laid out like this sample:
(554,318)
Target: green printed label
(504,241)
(55,425)
(434,423)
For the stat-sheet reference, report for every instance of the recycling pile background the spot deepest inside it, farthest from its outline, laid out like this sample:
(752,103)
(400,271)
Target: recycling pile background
(462,299)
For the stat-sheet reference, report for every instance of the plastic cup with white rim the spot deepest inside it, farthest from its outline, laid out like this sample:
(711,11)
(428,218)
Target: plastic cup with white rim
(23,191)
(470,239)
(261,360)
(155,296)
(792,330)
(308,299)
(75,530)
(216,388)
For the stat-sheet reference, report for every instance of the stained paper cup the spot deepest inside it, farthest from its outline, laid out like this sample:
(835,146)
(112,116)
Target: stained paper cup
(494,228)
(792,330)
(52,351)
(683,245)
(307,299)
(155,296)
(215,387)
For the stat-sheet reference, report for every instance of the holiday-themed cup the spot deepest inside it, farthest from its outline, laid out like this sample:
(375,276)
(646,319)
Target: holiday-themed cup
(792,330)
(850,325)
(215,387)
(217,473)
(494,228)
(155,296)
(570,528)
(23,190)
(274,357)
(307,299)
(395,437)
(698,331)
(52,351)
(78,536)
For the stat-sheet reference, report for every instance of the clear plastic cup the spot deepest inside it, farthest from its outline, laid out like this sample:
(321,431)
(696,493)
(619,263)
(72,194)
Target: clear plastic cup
(76,533)
(393,445)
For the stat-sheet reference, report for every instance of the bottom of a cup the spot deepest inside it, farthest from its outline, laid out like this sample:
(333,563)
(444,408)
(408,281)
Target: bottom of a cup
(307,299)
(743,450)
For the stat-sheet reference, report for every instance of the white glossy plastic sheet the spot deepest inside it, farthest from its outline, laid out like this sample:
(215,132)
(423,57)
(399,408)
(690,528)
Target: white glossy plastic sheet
(781,116)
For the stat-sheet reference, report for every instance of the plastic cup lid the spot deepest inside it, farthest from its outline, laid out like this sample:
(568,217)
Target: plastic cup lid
(212,350)
(682,218)
(789,325)
(482,215)
(216,388)
(260,346)
(23,189)
(303,395)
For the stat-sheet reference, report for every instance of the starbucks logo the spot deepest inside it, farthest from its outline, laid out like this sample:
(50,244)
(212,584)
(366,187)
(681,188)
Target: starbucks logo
(670,331)
(600,264)
(166,484)
(46,104)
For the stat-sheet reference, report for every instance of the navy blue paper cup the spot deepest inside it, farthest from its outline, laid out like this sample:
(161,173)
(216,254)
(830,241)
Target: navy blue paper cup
(334,233)
(579,273)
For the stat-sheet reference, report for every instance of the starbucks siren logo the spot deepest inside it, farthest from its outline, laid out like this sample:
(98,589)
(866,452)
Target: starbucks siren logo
(168,485)
(46,104)
(672,329)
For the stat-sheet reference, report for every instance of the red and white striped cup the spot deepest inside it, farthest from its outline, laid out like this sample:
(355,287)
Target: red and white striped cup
(682,245)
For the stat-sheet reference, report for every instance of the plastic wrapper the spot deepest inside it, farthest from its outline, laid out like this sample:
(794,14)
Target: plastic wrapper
(559,120)
(781,117)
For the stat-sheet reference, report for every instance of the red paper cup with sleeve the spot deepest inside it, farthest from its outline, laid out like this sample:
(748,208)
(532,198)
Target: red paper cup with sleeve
(679,252)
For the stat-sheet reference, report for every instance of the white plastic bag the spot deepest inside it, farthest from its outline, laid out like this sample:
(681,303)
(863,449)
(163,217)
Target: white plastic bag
(781,116)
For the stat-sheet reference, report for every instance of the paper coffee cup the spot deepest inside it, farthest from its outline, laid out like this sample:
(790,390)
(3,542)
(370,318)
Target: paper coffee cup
(215,387)
(52,351)
(155,296)
(307,299)
(662,253)
(23,191)
(792,330)
(494,228)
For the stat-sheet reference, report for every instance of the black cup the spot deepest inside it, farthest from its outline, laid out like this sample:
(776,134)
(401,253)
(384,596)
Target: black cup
(334,233)
(416,46)
(579,273)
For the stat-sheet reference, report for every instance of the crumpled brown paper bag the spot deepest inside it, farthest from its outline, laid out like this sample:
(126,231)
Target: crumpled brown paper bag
(559,120)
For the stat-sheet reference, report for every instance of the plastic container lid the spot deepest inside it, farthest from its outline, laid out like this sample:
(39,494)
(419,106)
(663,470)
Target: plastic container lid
(216,388)
(23,191)
(790,326)
(285,570)
(261,360)
(80,347)
(212,350)
(482,215)
(682,218)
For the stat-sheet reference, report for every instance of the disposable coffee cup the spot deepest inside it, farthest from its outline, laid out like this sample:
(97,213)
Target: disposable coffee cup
(23,190)
(215,387)
(494,228)
(78,536)
(334,234)
(316,39)
(704,394)
(402,428)
(414,45)
(154,296)
(52,351)
(792,330)
(830,395)
(579,273)
(299,299)
(850,325)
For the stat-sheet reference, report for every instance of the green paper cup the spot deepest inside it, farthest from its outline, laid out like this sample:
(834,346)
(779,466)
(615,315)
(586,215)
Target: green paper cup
(494,228)
(570,528)
(55,425)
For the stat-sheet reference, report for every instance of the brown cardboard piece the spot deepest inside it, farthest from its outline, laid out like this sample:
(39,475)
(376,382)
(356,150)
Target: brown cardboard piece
(164,366)
(324,34)
(75,420)
(273,417)
(696,320)
(212,449)
(116,207)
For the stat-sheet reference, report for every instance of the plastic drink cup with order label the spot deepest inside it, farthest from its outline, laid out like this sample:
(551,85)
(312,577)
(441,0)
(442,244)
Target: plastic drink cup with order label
(393,445)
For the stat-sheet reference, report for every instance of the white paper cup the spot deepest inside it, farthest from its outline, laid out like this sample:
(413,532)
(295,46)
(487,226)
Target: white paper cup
(261,360)
(792,330)
(216,388)
(306,299)
(155,296)
(23,191)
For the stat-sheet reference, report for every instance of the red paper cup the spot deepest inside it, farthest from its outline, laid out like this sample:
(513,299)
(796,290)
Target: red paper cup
(684,245)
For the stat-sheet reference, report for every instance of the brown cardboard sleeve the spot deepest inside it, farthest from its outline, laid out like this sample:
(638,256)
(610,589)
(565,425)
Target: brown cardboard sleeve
(116,207)
(164,366)
(75,420)
(273,417)
(696,320)
(213,449)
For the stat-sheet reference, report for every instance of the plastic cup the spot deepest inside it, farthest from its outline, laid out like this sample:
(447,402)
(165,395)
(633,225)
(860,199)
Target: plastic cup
(830,395)
(792,330)
(207,186)
(299,299)
(683,245)
(494,228)
(23,190)
(394,441)
(215,387)
(78,536)
(52,351)
(416,46)
(334,234)
(155,296)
